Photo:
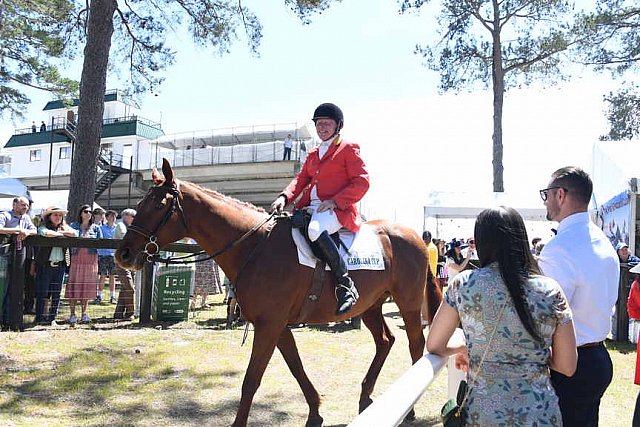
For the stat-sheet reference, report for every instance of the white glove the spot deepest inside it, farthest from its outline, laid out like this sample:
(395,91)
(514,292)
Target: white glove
(278,204)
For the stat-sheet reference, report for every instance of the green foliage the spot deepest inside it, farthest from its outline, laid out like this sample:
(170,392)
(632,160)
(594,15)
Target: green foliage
(34,38)
(306,8)
(141,27)
(615,46)
(520,39)
(623,114)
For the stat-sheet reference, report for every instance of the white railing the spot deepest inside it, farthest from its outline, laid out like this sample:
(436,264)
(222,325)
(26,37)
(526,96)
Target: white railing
(394,404)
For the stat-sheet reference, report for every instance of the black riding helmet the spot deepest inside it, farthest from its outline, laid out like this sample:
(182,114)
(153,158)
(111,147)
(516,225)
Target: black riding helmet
(329,111)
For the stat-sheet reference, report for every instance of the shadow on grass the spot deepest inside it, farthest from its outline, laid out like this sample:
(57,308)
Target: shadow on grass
(98,385)
(622,347)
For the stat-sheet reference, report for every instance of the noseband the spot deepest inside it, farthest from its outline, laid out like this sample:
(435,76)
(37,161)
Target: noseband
(151,247)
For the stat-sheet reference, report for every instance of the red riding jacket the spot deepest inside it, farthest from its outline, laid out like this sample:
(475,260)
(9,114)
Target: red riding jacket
(341,176)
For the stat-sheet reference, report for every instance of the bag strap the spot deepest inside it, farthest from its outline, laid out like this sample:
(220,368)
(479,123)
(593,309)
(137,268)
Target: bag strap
(486,350)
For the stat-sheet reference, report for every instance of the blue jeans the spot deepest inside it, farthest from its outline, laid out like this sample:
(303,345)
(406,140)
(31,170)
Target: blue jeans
(48,285)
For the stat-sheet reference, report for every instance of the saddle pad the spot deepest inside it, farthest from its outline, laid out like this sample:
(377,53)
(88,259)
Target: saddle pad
(365,252)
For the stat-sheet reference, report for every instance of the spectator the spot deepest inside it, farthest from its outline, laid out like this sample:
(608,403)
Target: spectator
(441,273)
(455,261)
(83,273)
(34,128)
(470,250)
(433,267)
(633,308)
(581,259)
(125,308)
(43,127)
(15,222)
(51,263)
(98,216)
(106,259)
(516,324)
(534,244)
(288,144)
(625,256)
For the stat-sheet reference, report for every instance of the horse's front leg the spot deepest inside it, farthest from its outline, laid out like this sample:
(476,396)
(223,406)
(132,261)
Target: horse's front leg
(265,338)
(289,350)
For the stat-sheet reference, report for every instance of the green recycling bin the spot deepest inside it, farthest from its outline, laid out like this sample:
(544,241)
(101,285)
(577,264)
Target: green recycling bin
(171,289)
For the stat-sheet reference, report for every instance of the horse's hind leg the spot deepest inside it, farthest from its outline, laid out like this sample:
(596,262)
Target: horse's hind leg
(413,325)
(264,343)
(289,350)
(384,339)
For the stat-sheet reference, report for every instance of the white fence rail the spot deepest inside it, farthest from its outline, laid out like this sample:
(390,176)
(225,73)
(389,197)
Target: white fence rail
(394,404)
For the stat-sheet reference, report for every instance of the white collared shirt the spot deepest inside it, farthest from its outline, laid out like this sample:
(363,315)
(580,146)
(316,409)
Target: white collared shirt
(582,260)
(322,150)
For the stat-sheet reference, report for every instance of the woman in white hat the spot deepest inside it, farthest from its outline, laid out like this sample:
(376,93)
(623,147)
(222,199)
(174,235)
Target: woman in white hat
(51,263)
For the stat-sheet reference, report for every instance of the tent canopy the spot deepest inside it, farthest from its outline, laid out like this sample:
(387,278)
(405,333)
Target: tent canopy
(442,204)
(12,187)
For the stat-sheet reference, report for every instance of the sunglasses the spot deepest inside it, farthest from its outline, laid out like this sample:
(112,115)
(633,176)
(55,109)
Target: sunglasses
(86,211)
(544,194)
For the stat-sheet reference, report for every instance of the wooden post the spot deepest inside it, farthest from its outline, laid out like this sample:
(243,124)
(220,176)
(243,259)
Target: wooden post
(16,286)
(146,292)
(622,317)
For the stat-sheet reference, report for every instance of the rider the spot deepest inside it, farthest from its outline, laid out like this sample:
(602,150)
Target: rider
(332,180)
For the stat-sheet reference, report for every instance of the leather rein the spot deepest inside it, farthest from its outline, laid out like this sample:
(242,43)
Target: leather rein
(151,248)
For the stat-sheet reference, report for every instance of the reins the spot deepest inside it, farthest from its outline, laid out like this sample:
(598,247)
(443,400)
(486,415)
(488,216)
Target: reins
(151,248)
(177,260)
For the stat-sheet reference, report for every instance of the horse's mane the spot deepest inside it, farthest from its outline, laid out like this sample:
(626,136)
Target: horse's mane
(227,199)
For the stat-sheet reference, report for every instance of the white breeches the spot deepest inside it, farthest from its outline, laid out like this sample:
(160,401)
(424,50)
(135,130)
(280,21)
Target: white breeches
(323,221)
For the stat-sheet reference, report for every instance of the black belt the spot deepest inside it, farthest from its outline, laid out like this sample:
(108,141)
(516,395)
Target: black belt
(591,344)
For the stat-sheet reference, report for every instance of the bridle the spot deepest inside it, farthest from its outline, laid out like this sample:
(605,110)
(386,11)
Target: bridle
(151,247)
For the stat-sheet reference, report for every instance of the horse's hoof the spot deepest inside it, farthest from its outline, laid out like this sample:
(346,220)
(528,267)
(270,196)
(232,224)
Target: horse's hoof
(411,416)
(314,421)
(364,404)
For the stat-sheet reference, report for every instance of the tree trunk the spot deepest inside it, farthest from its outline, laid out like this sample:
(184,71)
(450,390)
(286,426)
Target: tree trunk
(497,73)
(92,89)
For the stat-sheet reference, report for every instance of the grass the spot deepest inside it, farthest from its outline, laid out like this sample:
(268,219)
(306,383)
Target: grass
(191,373)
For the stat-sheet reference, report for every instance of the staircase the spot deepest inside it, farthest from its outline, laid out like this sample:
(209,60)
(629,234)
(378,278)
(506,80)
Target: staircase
(110,168)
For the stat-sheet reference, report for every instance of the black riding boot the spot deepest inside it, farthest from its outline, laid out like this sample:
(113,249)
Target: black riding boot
(346,292)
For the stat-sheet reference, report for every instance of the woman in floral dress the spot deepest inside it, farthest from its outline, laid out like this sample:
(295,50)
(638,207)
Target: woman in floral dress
(518,320)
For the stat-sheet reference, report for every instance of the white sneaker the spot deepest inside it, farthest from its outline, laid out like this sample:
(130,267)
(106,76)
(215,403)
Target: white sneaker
(73,319)
(54,323)
(86,318)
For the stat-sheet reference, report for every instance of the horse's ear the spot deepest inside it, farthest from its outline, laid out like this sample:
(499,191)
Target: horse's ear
(156,177)
(168,172)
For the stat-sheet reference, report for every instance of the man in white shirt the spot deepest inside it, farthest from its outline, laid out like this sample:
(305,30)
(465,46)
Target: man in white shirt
(583,261)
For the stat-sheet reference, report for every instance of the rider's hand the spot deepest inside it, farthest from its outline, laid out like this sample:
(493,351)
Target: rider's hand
(278,204)
(327,205)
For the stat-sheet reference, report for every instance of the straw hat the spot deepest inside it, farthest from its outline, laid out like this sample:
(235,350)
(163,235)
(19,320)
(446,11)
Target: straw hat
(52,209)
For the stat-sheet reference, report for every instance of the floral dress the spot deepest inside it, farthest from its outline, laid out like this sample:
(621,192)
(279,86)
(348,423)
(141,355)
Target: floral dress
(513,387)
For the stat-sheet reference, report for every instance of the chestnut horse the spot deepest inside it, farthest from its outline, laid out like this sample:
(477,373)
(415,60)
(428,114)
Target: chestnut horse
(271,287)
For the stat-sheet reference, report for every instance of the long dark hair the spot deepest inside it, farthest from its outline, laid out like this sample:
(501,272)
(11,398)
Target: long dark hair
(79,217)
(501,237)
(451,253)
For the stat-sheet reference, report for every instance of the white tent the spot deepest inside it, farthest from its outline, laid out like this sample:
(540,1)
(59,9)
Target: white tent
(452,214)
(12,187)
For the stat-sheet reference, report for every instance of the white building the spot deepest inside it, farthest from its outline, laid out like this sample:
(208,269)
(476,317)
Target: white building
(242,162)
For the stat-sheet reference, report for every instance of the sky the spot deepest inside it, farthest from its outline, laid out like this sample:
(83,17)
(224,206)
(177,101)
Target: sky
(359,55)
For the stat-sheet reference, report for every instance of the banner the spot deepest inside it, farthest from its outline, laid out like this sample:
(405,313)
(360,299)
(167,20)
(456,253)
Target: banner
(615,215)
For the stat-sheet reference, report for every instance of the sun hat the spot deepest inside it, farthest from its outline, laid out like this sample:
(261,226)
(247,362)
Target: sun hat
(51,209)
(621,245)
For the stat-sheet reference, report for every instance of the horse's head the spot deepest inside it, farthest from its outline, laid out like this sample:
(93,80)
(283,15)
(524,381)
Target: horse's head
(159,221)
